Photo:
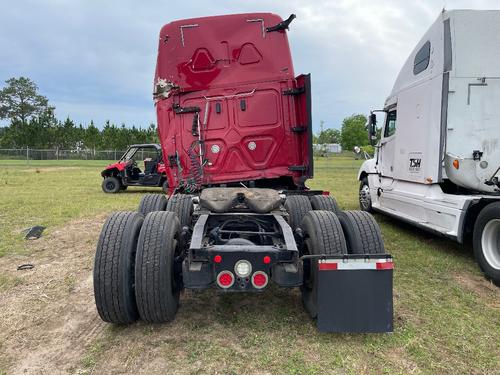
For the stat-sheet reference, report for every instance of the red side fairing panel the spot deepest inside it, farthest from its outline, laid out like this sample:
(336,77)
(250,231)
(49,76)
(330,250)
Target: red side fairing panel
(233,114)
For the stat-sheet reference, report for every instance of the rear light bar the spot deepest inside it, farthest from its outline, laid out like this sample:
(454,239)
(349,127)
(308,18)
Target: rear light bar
(355,264)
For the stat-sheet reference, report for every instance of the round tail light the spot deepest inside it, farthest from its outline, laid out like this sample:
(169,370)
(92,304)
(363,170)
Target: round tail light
(259,280)
(225,279)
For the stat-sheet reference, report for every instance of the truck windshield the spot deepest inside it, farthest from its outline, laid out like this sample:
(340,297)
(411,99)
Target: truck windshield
(129,154)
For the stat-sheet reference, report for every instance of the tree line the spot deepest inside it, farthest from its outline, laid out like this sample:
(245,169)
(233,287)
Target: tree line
(34,125)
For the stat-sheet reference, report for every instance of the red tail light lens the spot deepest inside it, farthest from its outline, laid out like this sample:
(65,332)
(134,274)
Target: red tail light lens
(225,279)
(267,259)
(259,280)
(217,259)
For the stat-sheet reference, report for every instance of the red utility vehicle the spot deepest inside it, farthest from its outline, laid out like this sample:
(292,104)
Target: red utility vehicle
(126,172)
(235,131)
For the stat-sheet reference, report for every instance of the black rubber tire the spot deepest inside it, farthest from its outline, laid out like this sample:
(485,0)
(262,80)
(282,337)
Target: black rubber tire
(157,286)
(151,203)
(364,206)
(324,203)
(114,268)
(182,205)
(111,185)
(297,207)
(322,235)
(487,214)
(361,232)
(164,186)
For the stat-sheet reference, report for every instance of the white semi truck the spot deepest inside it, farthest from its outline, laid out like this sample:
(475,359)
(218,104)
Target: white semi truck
(437,164)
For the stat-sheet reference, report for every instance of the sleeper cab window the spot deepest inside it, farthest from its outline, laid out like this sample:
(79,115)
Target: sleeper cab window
(390,125)
(422,58)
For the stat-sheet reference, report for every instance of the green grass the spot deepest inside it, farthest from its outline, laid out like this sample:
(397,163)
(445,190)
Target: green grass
(50,193)
(441,325)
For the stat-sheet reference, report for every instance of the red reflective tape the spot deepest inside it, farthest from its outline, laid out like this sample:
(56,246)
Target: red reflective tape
(327,266)
(385,266)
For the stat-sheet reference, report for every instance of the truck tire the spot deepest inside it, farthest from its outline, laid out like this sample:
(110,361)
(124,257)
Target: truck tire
(151,203)
(297,207)
(157,287)
(182,205)
(324,203)
(111,185)
(114,268)
(365,200)
(361,232)
(322,235)
(486,241)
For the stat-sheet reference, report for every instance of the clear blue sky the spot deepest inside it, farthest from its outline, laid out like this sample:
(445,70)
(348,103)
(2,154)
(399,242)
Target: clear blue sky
(95,59)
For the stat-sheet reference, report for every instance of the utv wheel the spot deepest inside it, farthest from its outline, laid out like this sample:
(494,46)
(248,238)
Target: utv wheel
(361,232)
(324,203)
(365,200)
(157,285)
(164,186)
(182,205)
(114,268)
(297,207)
(486,240)
(111,185)
(151,203)
(322,235)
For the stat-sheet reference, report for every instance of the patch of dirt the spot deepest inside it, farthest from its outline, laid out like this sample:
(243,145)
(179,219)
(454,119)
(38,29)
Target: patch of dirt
(399,358)
(479,285)
(48,320)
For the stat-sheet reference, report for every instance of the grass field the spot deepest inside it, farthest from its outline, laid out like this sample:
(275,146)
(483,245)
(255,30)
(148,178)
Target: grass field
(447,317)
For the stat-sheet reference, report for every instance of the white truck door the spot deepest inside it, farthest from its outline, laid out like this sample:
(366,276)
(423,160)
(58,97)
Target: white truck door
(388,145)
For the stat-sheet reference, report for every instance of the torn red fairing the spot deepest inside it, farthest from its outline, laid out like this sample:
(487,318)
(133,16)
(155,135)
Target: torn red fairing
(229,107)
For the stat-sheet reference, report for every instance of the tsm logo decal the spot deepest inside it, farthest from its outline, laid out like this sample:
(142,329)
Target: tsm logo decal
(415,164)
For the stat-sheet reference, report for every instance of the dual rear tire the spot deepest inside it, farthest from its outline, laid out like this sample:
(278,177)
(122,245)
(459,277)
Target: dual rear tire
(135,268)
(330,233)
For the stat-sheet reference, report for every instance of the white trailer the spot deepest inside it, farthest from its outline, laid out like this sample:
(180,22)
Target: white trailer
(437,164)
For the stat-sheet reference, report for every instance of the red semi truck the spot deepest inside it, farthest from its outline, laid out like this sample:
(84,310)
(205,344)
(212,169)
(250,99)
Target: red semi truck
(235,130)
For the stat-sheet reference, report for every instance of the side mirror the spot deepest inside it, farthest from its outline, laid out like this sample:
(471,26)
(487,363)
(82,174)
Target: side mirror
(372,128)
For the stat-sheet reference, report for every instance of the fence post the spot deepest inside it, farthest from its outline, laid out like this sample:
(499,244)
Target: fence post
(27,155)
(115,154)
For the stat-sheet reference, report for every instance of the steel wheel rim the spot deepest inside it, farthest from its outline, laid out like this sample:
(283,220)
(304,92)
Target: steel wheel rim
(364,196)
(490,243)
(110,185)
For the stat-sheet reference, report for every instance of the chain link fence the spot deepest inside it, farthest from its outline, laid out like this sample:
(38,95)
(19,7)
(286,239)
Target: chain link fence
(56,154)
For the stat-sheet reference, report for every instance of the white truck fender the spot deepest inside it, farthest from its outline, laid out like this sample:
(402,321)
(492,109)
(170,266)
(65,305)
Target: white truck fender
(368,167)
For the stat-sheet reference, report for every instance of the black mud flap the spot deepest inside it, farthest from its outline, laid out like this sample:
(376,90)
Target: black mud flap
(355,294)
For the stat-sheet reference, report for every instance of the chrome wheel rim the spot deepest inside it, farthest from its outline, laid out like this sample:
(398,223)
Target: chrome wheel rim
(490,243)
(364,197)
